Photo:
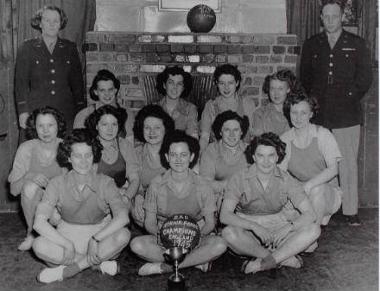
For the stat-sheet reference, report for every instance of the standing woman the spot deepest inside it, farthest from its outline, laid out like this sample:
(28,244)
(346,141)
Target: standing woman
(48,70)
(312,156)
(104,89)
(118,159)
(175,84)
(35,163)
(151,125)
(178,191)
(227,78)
(225,156)
(271,118)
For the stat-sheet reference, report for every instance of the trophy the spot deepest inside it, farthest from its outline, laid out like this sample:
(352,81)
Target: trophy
(179,234)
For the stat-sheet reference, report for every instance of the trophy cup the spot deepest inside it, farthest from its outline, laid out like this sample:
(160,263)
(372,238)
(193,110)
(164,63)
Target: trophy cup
(179,234)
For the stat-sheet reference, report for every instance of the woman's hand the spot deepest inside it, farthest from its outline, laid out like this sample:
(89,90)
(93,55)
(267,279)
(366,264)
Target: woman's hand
(22,119)
(307,187)
(68,254)
(41,180)
(92,252)
(264,235)
(139,201)
(281,234)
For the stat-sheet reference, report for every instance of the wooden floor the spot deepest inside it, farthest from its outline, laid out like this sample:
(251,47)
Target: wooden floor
(347,259)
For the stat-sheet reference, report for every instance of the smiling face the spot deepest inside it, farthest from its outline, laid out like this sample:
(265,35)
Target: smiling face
(106,92)
(265,158)
(227,85)
(174,86)
(50,23)
(46,127)
(107,127)
(300,114)
(231,132)
(332,18)
(81,158)
(154,130)
(278,91)
(179,157)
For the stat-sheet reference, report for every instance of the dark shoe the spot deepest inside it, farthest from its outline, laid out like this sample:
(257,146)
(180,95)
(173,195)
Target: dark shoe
(353,220)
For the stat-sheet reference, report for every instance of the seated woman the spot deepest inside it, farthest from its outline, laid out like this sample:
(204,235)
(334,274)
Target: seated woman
(151,125)
(178,191)
(224,157)
(252,210)
(312,156)
(86,236)
(227,78)
(103,91)
(118,160)
(175,85)
(35,163)
(271,118)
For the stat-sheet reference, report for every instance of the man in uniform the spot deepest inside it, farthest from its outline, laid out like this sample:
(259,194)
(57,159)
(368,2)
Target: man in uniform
(336,69)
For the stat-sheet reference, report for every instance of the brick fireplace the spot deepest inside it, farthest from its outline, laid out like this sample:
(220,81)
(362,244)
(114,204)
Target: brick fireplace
(136,58)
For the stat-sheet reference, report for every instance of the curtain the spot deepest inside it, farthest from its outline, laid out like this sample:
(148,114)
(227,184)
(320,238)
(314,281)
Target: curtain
(303,18)
(368,13)
(81,15)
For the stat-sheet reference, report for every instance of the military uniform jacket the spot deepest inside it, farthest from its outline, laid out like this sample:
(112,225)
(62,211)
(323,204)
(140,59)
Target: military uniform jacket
(337,77)
(42,78)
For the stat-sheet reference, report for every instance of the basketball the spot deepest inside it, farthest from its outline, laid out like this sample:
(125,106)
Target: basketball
(180,230)
(201,18)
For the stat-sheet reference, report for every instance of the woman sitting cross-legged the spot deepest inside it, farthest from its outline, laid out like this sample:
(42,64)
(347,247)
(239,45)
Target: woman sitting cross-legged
(35,163)
(178,191)
(87,235)
(252,210)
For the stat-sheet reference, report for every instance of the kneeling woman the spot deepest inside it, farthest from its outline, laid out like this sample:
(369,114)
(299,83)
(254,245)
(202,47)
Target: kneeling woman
(86,235)
(178,191)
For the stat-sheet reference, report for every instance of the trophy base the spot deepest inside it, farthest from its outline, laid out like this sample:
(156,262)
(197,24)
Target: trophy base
(176,283)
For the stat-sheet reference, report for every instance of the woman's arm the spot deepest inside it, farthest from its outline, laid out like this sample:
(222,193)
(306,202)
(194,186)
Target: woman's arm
(119,220)
(209,225)
(150,222)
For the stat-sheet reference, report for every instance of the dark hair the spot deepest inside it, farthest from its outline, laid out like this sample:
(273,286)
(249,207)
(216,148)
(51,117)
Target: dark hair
(297,97)
(36,19)
(227,69)
(229,115)
(93,119)
(267,139)
(340,3)
(78,135)
(103,75)
(164,76)
(284,76)
(177,136)
(151,110)
(31,131)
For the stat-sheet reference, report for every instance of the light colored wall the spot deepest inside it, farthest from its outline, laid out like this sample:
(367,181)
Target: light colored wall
(241,16)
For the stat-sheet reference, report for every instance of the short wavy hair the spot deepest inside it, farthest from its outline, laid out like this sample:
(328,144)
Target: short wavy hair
(93,119)
(151,110)
(36,19)
(229,115)
(103,75)
(164,76)
(267,139)
(78,135)
(31,131)
(227,69)
(297,97)
(285,76)
(177,136)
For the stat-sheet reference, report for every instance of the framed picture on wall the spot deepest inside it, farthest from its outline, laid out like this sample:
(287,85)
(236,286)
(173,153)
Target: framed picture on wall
(184,5)
(350,15)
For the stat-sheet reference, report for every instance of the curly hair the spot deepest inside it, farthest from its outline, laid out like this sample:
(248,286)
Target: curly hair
(229,115)
(36,19)
(151,110)
(177,136)
(285,76)
(227,69)
(31,131)
(93,119)
(164,76)
(267,139)
(297,97)
(340,3)
(78,135)
(103,75)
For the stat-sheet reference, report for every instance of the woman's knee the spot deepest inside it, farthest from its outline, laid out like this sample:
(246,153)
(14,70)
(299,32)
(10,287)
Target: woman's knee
(122,237)
(137,245)
(30,190)
(40,246)
(312,231)
(219,246)
(230,233)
